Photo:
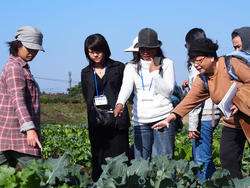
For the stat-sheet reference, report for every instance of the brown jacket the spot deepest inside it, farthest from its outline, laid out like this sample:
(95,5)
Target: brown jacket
(218,85)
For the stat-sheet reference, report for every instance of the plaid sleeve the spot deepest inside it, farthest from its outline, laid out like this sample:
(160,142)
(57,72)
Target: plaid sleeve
(16,87)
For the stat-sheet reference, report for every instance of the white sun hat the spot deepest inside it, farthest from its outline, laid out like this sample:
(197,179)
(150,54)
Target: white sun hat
(132,48)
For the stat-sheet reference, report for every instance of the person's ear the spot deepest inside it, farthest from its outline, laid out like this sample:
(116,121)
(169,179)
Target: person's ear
(212,59)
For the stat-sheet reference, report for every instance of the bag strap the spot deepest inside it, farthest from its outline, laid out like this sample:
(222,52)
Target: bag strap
(228,63)
(213,116)
(204,81)
(230,69)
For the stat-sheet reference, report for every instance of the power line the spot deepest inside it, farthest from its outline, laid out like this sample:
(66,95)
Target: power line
(55,80)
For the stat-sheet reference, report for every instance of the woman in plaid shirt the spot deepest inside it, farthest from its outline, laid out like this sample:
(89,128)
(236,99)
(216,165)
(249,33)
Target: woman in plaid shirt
(20,132)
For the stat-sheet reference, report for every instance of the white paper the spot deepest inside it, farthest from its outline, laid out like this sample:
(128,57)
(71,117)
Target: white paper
(226,103)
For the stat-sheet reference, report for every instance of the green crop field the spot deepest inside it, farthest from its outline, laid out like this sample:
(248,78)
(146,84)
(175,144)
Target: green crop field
(67,158)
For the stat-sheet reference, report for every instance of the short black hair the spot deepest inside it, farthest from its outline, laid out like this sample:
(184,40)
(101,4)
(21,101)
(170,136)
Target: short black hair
(195,33)
(13,47)
(192,35)
(97,42)
(234,34)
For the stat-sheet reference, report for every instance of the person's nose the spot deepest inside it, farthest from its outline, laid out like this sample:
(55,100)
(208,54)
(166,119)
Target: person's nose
(196,65)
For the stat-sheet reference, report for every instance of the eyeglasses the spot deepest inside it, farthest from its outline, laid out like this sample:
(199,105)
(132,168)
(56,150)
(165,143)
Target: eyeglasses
(198,62)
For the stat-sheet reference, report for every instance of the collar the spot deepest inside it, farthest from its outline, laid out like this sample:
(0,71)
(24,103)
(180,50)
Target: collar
(20,61)
(145,64)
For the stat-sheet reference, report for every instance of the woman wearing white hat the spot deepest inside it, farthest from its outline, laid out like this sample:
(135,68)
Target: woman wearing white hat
(151,77)
(132,48)
(20,132)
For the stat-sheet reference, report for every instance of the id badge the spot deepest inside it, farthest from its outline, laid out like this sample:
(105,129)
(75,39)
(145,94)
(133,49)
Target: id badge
(101,100)
(147,96)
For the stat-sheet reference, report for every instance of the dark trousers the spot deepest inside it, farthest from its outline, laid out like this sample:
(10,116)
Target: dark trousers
(106,143)
(231,150)
(15,159)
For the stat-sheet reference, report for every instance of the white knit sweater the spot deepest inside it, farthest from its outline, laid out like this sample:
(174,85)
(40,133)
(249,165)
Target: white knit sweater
(148,111)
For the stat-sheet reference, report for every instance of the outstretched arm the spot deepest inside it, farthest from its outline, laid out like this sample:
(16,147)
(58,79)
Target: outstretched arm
(165,122)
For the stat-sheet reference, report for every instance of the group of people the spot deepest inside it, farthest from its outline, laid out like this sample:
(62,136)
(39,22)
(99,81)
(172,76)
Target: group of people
(107,85)
(150,76)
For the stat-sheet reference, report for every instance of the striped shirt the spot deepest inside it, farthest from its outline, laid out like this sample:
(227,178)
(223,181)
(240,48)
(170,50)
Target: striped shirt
(19,107)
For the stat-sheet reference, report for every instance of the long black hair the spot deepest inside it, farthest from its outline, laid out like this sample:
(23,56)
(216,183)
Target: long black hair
(13,47)
(97,42)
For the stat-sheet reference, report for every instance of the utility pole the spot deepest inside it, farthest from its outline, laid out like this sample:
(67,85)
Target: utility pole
(70,79)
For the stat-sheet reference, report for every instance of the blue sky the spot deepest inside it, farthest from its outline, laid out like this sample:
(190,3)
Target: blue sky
(66,24)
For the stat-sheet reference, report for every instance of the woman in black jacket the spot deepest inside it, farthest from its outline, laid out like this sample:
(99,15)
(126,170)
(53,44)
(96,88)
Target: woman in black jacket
(101,82)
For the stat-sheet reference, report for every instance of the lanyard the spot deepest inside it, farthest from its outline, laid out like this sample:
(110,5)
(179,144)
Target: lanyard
(143,82)
(96,84)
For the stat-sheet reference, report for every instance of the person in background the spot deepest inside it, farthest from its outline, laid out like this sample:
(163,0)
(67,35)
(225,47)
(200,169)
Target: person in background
(202,54)
(236,40)
(20,129)
(133,49)
(152,83)
(101,82)
(241,42)
(202,120)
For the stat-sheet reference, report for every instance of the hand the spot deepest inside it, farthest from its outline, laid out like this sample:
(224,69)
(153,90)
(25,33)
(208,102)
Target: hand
(234,110)
(165,122)
(118,110)
(32,138)
(185,84)
(193,134)
(153,67)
